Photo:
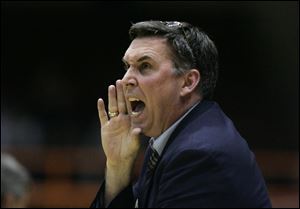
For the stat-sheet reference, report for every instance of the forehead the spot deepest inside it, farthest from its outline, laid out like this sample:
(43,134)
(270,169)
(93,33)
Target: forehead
(155,48)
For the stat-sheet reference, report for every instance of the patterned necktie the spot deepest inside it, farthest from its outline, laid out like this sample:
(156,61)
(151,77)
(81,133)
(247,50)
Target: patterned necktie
(151,164)
(153,158)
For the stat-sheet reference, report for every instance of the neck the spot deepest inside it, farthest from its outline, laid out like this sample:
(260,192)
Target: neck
(184,105)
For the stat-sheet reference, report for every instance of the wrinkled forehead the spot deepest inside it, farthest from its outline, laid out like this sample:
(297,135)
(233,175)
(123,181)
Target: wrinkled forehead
(154,47)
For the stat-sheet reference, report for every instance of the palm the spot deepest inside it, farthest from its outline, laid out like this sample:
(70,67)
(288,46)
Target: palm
(117,141)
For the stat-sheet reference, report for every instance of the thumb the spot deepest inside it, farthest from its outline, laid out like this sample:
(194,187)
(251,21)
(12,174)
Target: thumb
(135,135)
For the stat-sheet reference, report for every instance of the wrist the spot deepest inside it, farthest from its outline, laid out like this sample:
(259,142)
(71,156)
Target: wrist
(118,173)
(116,179)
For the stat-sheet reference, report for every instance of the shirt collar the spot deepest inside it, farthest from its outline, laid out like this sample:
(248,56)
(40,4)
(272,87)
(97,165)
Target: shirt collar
(160,142)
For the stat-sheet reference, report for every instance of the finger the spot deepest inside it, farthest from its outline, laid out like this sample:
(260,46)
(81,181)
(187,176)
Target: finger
(112,99)
(121,98)
(127,103)
(101,111)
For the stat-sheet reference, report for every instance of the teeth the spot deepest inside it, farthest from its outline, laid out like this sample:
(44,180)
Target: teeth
(134,113)
(133,99)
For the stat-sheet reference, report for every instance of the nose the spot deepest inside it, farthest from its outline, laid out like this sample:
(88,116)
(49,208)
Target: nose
(129,79)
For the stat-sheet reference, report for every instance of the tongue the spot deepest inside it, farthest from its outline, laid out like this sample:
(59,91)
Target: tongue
(139,107)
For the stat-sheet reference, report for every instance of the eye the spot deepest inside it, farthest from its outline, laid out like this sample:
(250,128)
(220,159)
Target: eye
(144,66)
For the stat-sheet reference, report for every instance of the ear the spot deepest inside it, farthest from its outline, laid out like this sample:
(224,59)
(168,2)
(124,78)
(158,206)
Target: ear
(190,81)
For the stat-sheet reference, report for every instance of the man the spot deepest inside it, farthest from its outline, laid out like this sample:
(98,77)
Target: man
(15,183)
(196,157)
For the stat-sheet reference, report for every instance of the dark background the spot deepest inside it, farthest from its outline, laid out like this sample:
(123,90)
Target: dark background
(58,58)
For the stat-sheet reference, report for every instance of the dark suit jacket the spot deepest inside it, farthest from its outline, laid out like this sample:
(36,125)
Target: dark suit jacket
(206,163)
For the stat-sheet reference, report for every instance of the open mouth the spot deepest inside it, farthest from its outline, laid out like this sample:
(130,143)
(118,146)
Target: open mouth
(137,106)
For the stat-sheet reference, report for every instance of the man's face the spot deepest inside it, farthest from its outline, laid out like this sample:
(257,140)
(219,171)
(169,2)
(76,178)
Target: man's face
(152,89)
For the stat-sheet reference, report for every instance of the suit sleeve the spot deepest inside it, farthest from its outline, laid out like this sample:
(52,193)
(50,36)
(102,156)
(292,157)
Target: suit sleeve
(125,199)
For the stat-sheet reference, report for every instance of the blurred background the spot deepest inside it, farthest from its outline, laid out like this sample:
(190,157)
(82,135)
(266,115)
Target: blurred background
(58,58)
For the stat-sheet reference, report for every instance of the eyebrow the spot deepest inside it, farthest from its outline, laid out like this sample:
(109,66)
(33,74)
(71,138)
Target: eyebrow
(145,57)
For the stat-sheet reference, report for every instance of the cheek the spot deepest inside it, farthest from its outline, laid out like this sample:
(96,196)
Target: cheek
(155,88)
(159,88)
(160,93)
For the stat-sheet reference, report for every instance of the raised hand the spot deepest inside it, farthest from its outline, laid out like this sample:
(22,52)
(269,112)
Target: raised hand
(120,141)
